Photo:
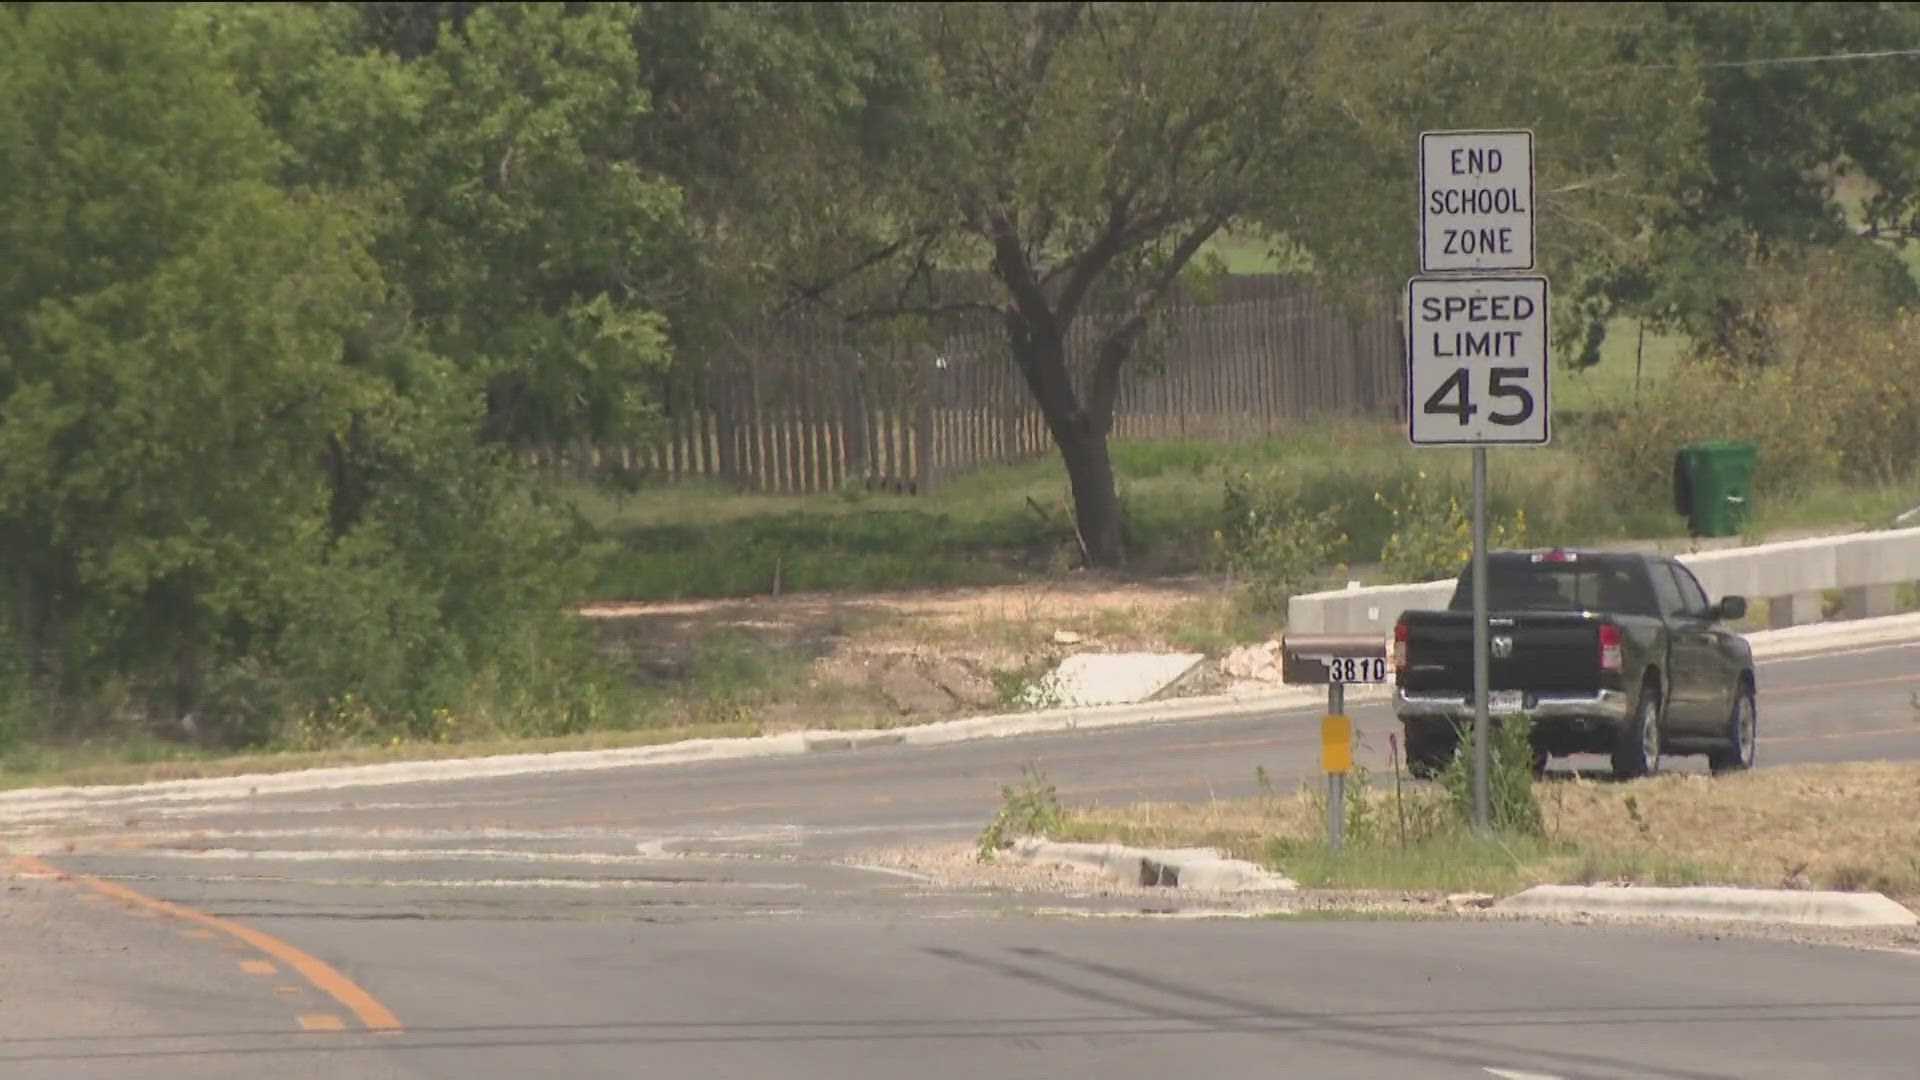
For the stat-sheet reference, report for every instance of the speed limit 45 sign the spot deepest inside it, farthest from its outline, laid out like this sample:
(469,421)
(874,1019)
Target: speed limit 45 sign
(1477,360)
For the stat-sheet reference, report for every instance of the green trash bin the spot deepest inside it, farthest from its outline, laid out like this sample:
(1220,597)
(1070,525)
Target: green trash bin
(1713,486)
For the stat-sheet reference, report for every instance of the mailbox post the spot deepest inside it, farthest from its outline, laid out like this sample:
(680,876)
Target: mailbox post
(1335,660)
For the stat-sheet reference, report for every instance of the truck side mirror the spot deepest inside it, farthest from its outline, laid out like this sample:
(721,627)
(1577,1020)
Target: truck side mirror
(1731,609)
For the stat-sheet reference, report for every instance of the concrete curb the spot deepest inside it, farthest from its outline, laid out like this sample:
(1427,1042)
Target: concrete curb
(1202,869)
(1824,637)
(1209,707)
(1711,903)
(852,740)
(29,803)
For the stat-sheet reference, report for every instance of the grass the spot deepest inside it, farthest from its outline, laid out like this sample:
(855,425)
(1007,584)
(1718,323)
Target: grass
(724,684)
(43,766)
(1847,826)
(1613,382)
(1013,524)
(1000,525)
(1243,254)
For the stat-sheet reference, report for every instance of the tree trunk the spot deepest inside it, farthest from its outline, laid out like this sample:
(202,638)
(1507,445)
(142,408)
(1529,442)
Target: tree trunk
(29,626)
(1081,438)
(1096,501)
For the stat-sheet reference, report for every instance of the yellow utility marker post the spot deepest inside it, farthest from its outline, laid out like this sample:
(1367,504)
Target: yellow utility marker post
(1336,760)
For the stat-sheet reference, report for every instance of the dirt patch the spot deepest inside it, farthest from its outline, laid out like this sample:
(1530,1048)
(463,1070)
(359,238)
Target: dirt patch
(916,656)
(1074,606)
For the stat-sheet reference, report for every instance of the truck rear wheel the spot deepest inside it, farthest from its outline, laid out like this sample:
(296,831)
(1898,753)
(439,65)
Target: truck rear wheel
(1742,735)
(1638,751)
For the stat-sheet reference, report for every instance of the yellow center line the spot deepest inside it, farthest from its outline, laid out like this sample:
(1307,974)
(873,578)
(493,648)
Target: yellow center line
(322,975)
(320,1022)
(258,967)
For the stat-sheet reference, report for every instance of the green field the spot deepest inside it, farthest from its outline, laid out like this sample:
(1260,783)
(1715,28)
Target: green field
(1013,523)
(1628,363)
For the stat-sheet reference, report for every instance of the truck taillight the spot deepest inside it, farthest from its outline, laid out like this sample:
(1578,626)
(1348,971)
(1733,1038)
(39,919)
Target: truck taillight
(1399,649)
(1609,647)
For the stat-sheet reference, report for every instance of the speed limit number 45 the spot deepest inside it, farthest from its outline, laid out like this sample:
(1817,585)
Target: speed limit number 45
(1477,360)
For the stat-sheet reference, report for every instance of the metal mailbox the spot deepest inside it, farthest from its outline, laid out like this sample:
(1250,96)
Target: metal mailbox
(1320,659)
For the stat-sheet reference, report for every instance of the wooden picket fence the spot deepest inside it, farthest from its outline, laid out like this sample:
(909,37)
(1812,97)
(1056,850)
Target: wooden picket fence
(796,407)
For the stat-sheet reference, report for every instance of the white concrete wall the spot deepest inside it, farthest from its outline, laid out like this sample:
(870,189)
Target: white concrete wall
(1791,576)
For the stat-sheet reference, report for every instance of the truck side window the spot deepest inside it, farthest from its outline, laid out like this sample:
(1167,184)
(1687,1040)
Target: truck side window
(1666,589)
(1692,597)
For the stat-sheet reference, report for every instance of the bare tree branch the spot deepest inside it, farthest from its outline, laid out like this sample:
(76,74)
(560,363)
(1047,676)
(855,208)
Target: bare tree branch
(1118,345)
(928,311)
(1084,268)
(808,292)
(1011,266)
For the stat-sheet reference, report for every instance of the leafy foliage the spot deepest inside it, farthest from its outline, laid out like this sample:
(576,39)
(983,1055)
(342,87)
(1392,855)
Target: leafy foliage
(1030,808)
(1432,531)
(1274,547)
(1512,808)
(288,284)
(239,483)
(1821,376)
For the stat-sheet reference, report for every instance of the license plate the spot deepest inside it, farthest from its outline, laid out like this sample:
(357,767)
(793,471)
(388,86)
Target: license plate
(1505,701)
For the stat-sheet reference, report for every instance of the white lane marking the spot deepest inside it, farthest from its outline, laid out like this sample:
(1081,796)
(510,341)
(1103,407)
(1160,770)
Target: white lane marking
(1515,1074)
(383,855)
(470,883)
(922,879)
(382,832)
(1183,913)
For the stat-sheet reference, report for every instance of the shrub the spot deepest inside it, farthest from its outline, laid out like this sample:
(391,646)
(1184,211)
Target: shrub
(1032,808)
(1511,806)
(1432,535)
(1272,546)
(1823,376)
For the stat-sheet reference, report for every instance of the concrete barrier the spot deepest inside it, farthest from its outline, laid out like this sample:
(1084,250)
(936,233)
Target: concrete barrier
(1791,577)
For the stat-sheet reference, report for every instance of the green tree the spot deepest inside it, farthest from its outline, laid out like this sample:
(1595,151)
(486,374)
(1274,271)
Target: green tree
(1807,139)
(1078,159)
(518,231)
(1080,156)
(238,479)
(170,328)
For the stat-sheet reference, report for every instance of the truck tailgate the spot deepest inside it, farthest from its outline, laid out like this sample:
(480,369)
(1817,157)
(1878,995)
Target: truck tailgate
(1550,652)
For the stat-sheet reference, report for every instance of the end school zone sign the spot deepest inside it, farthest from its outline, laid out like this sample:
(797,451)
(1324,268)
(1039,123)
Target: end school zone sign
(1476,201)
(1477,360)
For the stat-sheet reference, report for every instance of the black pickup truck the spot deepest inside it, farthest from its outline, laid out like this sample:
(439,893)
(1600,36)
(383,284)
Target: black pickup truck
(1607,653)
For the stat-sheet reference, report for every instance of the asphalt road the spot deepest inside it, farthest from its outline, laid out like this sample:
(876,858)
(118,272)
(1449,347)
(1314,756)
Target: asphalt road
(703,920)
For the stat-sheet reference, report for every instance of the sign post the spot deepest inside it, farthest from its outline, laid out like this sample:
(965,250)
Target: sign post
(1477,364)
